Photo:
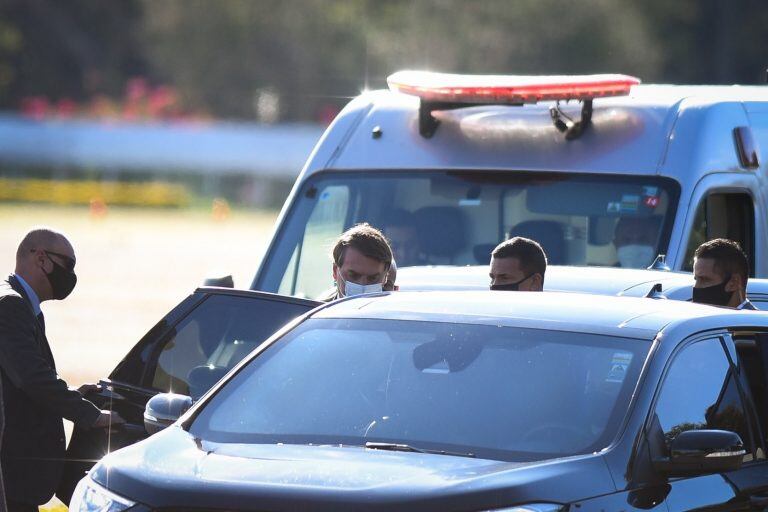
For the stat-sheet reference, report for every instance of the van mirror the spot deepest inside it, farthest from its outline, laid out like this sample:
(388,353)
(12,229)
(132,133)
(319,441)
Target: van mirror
(163,409)
(700,452)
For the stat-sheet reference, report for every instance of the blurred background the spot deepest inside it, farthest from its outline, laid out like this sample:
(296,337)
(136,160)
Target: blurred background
(163,135)
(172,103)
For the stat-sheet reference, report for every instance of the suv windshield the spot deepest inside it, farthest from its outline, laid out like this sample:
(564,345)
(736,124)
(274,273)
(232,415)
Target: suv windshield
(494,392)
(457,218)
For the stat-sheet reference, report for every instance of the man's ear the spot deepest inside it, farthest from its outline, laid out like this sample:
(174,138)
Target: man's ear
(735,283)
(537,282)
(335,272)
(40,257)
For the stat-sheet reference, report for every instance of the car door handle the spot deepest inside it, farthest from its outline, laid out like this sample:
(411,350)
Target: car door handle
(758,501)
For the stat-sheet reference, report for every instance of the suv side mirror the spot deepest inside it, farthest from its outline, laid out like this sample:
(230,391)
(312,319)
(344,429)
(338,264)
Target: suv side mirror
(699,452)
(163,409)
(222,281)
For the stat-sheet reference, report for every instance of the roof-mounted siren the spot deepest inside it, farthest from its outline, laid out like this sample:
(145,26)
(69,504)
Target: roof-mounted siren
(442,91)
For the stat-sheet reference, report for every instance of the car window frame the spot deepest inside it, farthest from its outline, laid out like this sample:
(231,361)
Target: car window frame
(159,343)
(159,331)
(718,336)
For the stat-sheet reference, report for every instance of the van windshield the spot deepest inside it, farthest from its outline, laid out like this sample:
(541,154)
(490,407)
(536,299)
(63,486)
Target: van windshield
(458,217)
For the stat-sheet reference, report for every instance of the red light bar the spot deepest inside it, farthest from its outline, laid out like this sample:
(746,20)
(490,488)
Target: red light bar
(500,89)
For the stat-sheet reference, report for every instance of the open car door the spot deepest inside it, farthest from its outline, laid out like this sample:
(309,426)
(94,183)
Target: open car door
(187,352)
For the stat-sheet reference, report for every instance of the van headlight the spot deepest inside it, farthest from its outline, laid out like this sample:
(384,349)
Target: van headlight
(91,497)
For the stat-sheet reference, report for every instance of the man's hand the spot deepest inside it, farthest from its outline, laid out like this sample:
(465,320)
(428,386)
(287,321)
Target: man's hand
(87,388)
(108,419)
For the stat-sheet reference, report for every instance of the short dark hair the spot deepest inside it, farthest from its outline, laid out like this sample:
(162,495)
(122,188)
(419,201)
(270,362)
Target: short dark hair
(366,239)
(528,252)
(728,255)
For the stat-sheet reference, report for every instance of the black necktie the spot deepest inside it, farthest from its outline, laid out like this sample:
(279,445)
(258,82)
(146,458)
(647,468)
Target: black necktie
(41,319)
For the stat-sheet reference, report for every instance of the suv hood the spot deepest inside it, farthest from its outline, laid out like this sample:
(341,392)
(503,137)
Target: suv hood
(173,469)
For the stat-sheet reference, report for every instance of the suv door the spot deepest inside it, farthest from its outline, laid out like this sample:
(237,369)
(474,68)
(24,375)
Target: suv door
(187,352)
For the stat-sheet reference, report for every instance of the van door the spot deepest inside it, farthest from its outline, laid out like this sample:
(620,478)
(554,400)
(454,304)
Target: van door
(728,215)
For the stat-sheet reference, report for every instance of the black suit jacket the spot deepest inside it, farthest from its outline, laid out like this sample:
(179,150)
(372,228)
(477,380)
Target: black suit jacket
(35,401)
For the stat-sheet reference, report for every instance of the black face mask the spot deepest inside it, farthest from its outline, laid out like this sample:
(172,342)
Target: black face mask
(509,287)
(62,280)
(714,295)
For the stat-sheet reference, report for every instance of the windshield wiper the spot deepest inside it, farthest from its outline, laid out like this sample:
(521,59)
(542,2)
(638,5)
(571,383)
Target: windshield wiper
(396,447)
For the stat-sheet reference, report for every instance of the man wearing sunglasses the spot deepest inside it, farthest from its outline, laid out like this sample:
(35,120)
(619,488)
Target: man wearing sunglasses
(35,398)
(518,264)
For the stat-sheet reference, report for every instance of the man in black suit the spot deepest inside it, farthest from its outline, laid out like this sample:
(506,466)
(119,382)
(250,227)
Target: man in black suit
(35,398)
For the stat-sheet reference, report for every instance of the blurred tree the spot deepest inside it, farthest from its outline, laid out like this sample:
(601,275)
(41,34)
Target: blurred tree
(709,41)
(316,53)
(73,49)
(283,60)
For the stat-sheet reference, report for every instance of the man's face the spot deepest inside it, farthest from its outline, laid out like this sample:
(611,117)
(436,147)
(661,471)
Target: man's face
(706,275)
(57,253)
(404,244)
(359,269)
(634,232)
(508,271)
(635,241)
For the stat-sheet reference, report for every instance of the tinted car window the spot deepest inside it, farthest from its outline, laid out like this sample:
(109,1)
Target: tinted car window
(457,218)
(700,392)
(214,337)
(505,393)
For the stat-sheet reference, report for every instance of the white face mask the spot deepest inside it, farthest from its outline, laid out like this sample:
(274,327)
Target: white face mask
(635,256)
(351,289)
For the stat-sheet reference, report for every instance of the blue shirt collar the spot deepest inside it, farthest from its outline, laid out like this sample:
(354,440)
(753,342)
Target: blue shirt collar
(33,299)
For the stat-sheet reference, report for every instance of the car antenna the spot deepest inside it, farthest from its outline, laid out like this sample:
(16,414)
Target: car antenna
(655,292)
(660,263)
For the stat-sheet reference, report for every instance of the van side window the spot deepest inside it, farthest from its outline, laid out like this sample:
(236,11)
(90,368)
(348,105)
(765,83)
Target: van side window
(721,215)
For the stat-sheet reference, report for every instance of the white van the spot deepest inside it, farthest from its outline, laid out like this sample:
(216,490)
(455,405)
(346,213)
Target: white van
(600,170)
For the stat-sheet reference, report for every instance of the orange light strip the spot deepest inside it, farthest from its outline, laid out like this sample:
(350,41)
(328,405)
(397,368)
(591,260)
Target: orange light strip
(508,89)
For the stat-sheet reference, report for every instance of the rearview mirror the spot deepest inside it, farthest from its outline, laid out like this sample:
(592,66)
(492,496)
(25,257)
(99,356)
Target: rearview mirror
(699,452)
(163,410)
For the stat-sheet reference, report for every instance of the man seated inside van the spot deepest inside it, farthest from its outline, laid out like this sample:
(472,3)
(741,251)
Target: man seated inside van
(400,230)
(635,241)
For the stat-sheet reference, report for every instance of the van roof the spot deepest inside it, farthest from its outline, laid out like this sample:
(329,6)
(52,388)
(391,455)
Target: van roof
(628,134)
